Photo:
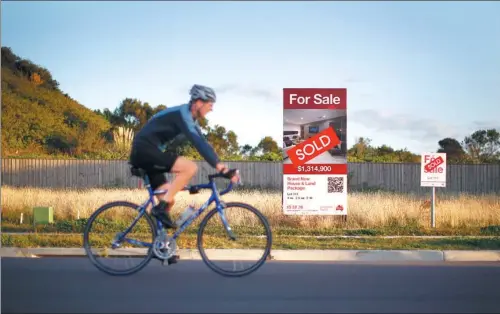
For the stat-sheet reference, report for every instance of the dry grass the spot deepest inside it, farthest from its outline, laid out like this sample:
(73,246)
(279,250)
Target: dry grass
(188,241)
(373,210)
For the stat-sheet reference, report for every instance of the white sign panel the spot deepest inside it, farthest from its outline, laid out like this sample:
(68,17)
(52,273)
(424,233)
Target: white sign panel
(433,169)
(315,194)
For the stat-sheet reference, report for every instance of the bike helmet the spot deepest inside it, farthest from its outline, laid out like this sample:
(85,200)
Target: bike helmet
(202,92)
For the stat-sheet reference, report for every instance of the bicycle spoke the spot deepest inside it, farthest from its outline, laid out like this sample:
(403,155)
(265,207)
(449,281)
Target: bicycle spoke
(238,257)
(105,234)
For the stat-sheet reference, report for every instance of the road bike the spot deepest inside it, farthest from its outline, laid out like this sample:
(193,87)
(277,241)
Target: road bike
(163,246)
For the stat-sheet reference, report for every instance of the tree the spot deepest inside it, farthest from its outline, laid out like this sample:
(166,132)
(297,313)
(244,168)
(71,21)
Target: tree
(246,150)
(363,151)
(110,116)
(384,150)
(483,146)
(454,151)
(132,113)
(268,145)
(9,59)
(360,150)
(36,79)
(27,69)
(225,142)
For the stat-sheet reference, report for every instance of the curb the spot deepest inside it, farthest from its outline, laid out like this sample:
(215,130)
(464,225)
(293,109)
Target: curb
(282,255)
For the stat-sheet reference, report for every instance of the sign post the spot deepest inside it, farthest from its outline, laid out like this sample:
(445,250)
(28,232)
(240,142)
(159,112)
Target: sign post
(433,174)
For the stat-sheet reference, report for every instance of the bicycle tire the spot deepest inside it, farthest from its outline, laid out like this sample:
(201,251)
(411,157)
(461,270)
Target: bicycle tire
(261,261)
(88,251)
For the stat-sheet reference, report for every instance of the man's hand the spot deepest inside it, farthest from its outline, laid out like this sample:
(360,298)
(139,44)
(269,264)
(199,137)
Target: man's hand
(235,178)
(223,169)
(220,167)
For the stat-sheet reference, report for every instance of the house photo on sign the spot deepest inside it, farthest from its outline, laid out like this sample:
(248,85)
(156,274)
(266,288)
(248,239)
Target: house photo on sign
(314,151)
(300,125)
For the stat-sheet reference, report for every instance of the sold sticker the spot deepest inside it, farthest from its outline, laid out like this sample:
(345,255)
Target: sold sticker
(313,147)
(433,164)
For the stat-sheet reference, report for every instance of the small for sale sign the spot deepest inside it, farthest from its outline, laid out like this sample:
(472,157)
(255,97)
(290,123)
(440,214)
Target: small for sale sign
(433,169)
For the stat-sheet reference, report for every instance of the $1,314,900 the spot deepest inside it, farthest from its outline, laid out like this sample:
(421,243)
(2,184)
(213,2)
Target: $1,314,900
(313,168)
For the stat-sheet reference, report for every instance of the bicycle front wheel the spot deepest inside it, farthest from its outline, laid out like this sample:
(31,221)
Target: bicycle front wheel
(251,230)
(109,222)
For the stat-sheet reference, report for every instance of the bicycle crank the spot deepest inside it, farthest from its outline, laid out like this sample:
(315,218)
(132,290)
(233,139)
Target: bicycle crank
(164,246)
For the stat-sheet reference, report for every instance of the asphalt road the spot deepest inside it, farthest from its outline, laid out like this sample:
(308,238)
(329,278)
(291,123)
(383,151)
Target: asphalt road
(70,285)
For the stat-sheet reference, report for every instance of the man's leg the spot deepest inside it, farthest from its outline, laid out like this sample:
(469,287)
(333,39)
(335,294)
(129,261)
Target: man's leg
(159,182)
(184,170)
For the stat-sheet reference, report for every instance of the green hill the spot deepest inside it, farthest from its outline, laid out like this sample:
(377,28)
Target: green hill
(38,119)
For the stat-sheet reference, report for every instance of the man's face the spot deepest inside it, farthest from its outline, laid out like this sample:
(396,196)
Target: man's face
(204,107)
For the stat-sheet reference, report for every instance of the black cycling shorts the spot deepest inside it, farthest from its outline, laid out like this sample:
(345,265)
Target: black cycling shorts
(155,162)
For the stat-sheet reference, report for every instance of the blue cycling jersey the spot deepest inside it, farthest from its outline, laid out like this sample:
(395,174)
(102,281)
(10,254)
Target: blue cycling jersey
(172,123)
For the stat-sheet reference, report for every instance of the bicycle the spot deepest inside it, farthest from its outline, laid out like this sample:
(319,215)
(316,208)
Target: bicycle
(163,246)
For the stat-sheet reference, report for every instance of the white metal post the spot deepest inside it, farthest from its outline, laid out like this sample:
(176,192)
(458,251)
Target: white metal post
(433,207)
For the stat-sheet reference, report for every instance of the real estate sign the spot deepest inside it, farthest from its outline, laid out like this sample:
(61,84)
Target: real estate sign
(433,169)
(315,151)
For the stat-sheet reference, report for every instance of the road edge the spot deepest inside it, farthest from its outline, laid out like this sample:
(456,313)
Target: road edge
(289,255)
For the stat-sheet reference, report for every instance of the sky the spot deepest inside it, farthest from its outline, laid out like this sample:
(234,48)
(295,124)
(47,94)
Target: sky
(415,72)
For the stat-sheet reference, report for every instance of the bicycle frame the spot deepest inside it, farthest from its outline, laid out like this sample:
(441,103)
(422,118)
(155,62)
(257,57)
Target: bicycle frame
(215,197)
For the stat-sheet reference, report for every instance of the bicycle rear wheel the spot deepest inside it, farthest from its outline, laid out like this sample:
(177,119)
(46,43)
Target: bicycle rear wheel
(243,248)
(143,231)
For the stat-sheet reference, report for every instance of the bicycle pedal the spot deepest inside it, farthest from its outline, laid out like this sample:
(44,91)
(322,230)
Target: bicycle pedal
(173,259)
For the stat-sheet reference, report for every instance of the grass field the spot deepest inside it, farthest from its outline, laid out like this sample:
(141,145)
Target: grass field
(188,241)
(388,213)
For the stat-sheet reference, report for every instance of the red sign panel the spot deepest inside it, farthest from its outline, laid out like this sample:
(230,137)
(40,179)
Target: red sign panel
(308,169)
(313,147)
(314,98)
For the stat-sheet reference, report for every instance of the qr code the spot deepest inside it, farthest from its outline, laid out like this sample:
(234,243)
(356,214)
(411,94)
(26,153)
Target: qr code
(335,184)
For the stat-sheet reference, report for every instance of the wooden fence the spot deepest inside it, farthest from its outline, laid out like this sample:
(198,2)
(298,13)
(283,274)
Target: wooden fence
(397,177)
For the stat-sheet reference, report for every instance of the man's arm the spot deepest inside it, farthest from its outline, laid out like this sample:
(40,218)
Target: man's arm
(193,133)
(197,127)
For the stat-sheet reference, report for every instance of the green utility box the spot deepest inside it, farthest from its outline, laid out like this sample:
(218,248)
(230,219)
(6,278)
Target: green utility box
(43,215)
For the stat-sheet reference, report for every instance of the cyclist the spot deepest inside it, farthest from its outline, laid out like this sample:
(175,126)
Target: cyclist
(175,123)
